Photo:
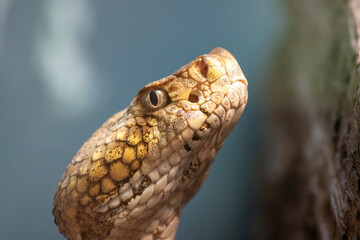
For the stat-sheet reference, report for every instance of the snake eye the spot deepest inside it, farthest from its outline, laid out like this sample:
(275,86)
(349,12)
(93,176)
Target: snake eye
(155,99)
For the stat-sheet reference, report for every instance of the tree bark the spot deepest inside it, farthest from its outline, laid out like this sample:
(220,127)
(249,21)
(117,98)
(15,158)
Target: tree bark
(313,172)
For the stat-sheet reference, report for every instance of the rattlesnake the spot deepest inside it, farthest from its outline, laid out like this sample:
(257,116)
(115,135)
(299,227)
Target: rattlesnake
(135,174)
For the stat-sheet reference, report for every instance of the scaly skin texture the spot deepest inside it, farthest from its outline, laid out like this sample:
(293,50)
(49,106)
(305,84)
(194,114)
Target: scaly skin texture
(132,178)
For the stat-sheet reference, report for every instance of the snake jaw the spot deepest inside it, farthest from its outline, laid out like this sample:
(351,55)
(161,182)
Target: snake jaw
(132,178)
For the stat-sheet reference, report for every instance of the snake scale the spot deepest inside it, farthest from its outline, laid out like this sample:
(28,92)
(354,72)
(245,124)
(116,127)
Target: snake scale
(135,174)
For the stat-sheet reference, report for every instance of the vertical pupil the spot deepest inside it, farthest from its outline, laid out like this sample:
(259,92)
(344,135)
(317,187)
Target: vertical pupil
(153,98)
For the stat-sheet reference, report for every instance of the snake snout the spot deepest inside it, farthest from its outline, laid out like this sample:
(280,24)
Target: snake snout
(233,69)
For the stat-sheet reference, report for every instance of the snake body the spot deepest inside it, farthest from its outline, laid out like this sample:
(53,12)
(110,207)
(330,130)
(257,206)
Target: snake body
(135,174)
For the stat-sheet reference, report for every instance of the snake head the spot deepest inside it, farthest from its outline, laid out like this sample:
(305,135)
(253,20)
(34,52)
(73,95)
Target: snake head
(205,98)
(131,179)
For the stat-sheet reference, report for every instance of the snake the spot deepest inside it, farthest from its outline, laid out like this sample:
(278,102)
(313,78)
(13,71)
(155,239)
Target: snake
(132,178)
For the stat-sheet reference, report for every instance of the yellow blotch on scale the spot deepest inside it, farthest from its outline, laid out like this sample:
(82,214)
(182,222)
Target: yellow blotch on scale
(115,151)
(82,184)
(148,134)
(129,154)
(141,121)
(98,170)
(151,121)
(178,91)
(94,189)
(119,171)
(141,150)
(135,136)
(107,184)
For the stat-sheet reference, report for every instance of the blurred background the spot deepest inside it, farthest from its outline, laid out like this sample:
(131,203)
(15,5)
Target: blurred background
(67,66)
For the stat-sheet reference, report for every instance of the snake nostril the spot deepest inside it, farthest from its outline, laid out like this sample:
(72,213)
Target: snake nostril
(203,67)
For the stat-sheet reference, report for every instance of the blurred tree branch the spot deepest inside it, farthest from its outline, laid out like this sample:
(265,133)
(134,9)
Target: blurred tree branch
(314,141)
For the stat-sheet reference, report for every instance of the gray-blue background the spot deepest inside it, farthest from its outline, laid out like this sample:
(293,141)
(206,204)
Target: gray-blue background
(66,66)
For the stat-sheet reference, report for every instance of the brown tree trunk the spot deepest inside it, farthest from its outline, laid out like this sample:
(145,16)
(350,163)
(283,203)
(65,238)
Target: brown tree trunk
(313,172)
